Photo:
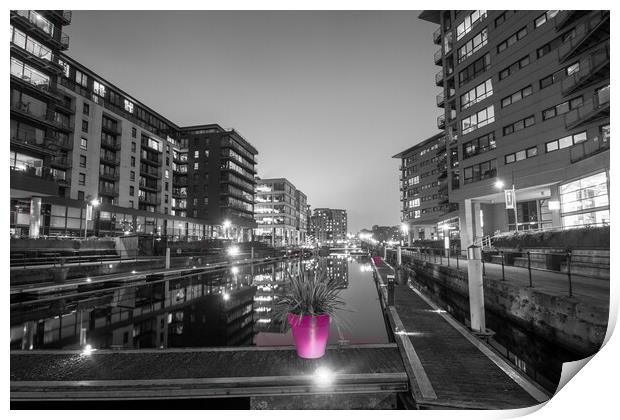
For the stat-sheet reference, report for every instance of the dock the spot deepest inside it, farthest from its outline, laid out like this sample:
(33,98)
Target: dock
(372,369)
(448,366)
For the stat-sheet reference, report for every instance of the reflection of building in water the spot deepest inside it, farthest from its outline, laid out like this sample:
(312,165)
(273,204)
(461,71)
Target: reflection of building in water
(269,281)
(338,269)
(205,310)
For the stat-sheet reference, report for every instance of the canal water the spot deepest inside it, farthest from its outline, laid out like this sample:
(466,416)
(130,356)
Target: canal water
(232,307)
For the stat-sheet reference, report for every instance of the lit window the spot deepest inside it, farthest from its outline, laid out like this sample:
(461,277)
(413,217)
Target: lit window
(99,89)
(128,106)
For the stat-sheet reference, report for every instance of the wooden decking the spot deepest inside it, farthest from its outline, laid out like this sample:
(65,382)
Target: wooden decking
(449,367)
(202,373)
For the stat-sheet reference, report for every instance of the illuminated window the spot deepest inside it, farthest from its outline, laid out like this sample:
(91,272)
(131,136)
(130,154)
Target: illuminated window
(99,89)
(128,106)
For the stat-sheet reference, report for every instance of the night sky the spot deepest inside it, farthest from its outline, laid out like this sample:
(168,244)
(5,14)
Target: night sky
(327,97)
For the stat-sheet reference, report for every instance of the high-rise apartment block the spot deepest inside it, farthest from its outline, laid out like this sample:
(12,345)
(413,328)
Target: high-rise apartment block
(280,213)
(525,99)
(329,226)
(79,141)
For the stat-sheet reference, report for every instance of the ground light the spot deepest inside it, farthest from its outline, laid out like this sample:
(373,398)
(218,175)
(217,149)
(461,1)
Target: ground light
(233,250)
(323,376)
(226,296)
(88,350)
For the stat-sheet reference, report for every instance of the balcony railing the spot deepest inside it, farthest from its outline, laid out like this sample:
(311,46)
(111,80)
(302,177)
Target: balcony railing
(441,99)
(588,148)
(34,170)
(27,138)
(437,56)
(590,68)
(439,78)
(60,161)
(441,122)
(110,143)
(109,159)
(583,33)
(43,26)
(108,189)
(592,109)
(437,36)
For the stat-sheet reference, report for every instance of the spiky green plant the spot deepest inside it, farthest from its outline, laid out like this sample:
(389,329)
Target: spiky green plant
(306,294)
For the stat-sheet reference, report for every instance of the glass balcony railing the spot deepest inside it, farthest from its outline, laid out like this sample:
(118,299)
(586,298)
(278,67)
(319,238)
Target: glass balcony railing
(437,36)
(441,122)
(591,109)
(588,148)
(439,78)
(589,68)
(583,32)
(437,56)
(441,100)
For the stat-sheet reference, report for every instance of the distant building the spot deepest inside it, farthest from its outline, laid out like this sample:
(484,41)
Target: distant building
(280,213)
(424,187)
(525,98)
(329,226)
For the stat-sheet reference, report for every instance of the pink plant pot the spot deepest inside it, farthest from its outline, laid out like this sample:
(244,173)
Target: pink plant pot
(376,259)
(310,334)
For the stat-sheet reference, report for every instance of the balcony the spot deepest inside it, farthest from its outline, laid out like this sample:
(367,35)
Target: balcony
(152,187)
(437,57)
(34,179)
(591,110)
(64,15)
(114,129)
(64,142)
(108,190)
(109,175)
(111,144)
(588,148)
(437,36)
(109,159)
(29,140)
(587,34)
(43,59)
(60,161)
(439,78)
(592,69)
(441,122)
(43,27)
(564,17)
(441,99)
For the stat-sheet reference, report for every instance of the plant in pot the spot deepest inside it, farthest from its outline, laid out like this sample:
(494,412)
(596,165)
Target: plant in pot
(307,304)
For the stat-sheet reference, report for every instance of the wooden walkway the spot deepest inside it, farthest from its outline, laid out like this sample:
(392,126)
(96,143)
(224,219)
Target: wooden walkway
(448,366)
(203,373)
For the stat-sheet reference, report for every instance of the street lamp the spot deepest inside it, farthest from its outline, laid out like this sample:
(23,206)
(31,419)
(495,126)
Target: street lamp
(226,226)
(94,203)
(405,228)
(500,185)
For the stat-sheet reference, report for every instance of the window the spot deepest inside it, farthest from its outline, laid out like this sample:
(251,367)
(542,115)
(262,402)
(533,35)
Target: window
(472,46)
(99,89)
(605,134)
(83,143)
(133,146)
(517,65)
(517,96)
(477,94)
(133,161)
(65,67)
(205,200)
(565,142)
(166,198)
(475,69)
(131,205)
(81,179)
(544,50)
(480,171)
(512,39)
(573,68)
(167,174)
(82,161)
(519,125)
(468,23)
(85,126)
(81,78)
(196,166)
(85,109)
(134,132)
(80,195)
(196,154)
(415,180)
(562,108)
(131,191)
(416,214)
(132,176)
(478,120)
(479,145)
(415,202)
(128,106)
(585,201)
(521,155)
(500,19)
(166,186)
(540,20)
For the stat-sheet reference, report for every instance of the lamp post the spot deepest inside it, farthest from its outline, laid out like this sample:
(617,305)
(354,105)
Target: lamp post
(226,225)
(93,203)
(405,228)
(500,185)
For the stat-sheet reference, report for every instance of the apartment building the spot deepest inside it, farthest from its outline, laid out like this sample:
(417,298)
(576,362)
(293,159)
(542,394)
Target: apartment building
(40,116)
(329,226)
(280,213)
(424,188)
(525,99)
(114,166)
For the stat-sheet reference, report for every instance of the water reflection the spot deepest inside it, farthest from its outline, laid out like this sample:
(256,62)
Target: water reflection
(227,308)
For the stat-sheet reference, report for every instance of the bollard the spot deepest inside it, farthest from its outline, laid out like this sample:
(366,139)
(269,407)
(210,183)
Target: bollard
(399,256)
(252,253)
(529,267)
(385,252)
(503,277)
(167,258)
(390,289)
(476,288)
(570,282)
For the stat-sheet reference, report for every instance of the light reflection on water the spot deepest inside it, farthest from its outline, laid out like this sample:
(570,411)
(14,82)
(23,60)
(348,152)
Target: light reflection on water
(229,308)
